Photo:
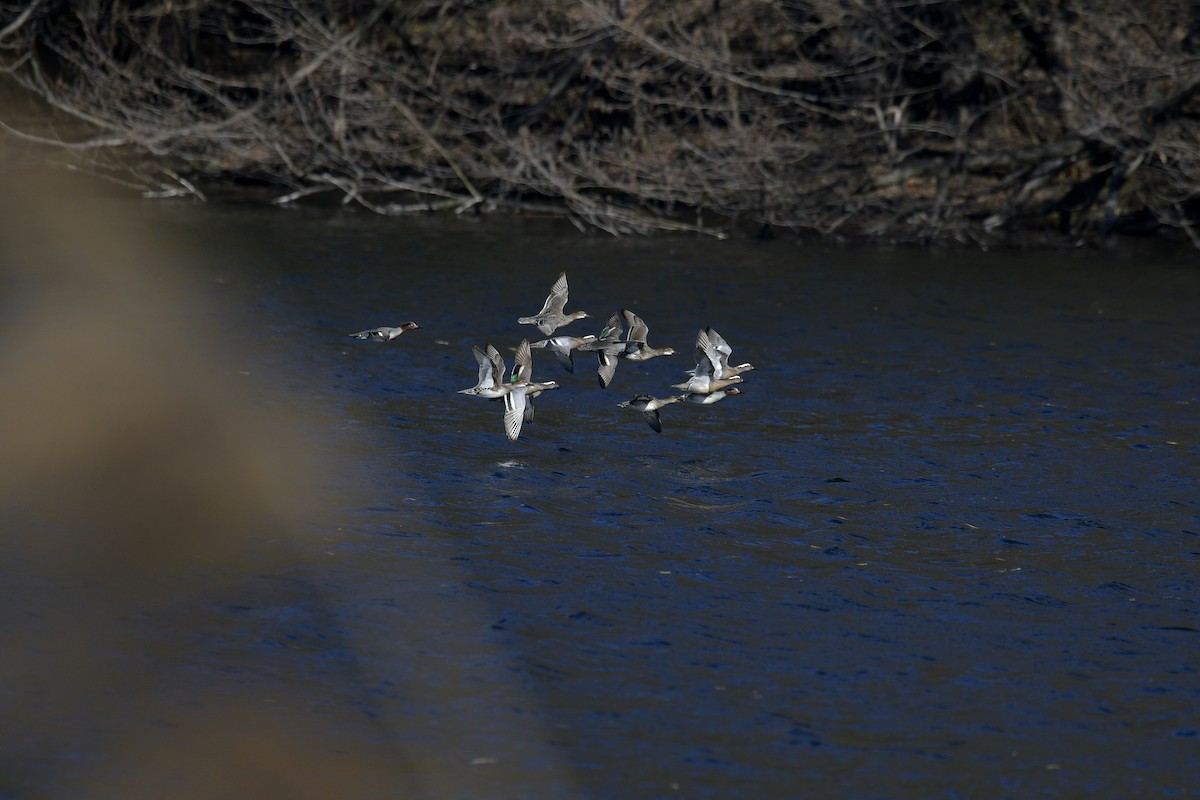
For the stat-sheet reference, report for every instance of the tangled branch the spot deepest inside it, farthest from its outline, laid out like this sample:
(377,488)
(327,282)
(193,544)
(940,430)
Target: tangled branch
(969,121)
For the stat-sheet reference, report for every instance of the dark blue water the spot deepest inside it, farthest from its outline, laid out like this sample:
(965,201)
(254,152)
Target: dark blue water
(944,544)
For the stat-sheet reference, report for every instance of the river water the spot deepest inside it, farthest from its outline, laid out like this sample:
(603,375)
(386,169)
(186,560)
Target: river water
(945,544)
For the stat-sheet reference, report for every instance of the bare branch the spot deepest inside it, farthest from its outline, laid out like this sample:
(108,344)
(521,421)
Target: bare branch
(22,18)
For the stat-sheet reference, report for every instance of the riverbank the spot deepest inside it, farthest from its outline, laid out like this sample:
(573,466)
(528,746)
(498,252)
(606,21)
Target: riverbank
(975,123)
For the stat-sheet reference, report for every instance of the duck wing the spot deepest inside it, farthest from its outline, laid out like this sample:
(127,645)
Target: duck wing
(708,358)
(522,364)
(562,348)
(566,358)
(724,351)
(373,333)
(637,328)
(514,412)
(487,378)
(557,299)
(497,362)
(613,331)
(607,368)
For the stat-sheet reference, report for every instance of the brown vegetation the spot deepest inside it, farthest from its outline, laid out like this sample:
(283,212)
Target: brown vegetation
(907,121)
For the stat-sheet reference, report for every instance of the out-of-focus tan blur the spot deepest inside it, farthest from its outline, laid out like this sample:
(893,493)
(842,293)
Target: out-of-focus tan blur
(127,451)
(140,496)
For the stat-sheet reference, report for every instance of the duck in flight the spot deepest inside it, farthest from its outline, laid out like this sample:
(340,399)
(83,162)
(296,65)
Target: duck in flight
(711,397)
(516,390)
(636,331)
(709,373)
(607,347)
(564,348)
(385,334)
(649,407)
(552,316)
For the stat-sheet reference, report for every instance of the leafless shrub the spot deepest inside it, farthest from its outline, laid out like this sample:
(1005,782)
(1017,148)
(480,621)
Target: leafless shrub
(912,121)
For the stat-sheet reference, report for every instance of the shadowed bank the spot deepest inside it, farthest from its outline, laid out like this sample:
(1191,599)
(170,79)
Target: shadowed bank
(975,122)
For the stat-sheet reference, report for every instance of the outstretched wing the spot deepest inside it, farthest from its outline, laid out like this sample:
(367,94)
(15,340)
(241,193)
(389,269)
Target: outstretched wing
(497,362)
(514,412)
(723,350)
(607,368)
(486,378)
(522,363)
(565,356)
(708,359)
(373,333)
(638,331)
(557,298)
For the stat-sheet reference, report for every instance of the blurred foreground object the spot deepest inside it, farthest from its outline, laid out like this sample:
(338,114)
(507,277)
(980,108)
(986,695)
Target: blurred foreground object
(143,507)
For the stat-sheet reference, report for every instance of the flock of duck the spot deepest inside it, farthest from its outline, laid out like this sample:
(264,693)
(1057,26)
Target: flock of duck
(623,337)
